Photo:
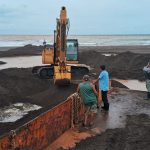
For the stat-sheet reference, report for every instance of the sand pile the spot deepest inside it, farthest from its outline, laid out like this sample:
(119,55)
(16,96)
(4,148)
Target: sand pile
(19,85)
(125,65)
(28,50)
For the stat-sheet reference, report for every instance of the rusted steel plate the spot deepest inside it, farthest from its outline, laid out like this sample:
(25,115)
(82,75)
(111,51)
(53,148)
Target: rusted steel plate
(41,131)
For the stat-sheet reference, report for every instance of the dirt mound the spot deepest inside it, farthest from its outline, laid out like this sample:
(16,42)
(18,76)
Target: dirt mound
(117,49)
(22,86)
(134,136)
(125,65)
(19,85)
(27,50)
(1,63)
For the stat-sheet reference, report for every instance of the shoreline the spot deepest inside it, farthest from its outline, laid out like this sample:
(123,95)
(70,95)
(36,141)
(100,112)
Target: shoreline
(31,50)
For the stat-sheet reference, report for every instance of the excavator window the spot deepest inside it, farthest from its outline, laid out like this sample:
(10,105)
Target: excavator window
(72,50)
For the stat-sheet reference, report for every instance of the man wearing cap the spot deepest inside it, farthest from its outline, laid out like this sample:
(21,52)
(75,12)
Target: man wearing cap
(89,96)
(146,70)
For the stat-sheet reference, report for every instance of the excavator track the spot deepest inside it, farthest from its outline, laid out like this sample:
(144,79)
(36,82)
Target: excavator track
(44,72)
(47,72)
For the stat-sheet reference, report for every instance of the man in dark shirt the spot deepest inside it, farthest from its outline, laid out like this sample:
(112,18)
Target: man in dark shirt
(146,70)
(89,95)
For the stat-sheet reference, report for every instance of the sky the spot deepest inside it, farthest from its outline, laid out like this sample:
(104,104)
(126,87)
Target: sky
(87,17)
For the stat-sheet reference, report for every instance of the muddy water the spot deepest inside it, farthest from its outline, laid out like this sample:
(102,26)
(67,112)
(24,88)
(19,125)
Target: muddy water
(21,62)
(122,103)
(16,111)
(109,54)
(133,84)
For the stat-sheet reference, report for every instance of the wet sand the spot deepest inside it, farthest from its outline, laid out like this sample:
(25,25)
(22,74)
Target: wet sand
(135,132)
(28,50)
(124,127)
(19,85)
(135,136)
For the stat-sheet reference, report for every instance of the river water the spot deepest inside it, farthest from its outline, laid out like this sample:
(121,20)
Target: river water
(133,84)
(21,62)
(16,111)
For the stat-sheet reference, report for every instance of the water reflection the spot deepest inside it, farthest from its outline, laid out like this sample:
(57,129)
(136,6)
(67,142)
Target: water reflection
(133,84)
(21,62)
(109,54)
(16,111)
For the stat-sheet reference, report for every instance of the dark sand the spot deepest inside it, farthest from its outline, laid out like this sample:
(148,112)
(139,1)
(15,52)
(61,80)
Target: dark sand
(30,50)
(1,63)
(127,64)
(19,85)
(135,136)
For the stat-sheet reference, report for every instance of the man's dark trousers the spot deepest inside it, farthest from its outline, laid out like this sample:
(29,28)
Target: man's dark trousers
(105,100)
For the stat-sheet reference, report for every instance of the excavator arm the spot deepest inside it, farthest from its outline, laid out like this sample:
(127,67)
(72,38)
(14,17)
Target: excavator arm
(62,72)
(61,35)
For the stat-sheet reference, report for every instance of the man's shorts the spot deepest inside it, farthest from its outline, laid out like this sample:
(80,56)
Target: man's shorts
(91,109)
(148,85)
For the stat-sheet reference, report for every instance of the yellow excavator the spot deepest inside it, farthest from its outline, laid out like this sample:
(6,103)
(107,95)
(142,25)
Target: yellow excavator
(62,59)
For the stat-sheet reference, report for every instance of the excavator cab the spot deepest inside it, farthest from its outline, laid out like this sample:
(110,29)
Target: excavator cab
(72,50)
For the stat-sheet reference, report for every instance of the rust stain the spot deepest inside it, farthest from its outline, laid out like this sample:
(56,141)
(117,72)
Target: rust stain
(41,131)
(71,137)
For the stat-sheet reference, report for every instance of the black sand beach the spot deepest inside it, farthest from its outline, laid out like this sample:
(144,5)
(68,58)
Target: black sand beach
(19,85)
(135,135)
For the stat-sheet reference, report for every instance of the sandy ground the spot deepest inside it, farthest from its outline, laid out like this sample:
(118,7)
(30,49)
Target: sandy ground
(34,50)
(1,62)
(19,85)
(125,127)
(135,133)
(135,136)
(127,64)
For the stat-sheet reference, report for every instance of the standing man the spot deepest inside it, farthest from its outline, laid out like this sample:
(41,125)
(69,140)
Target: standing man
(89,96)
(103,86)
(146,70)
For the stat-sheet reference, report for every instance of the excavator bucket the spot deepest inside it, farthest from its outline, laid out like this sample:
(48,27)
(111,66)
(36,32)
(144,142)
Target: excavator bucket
(62,77)
(74,74)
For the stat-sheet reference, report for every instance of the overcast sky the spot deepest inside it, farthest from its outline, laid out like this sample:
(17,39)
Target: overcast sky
(86,16)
